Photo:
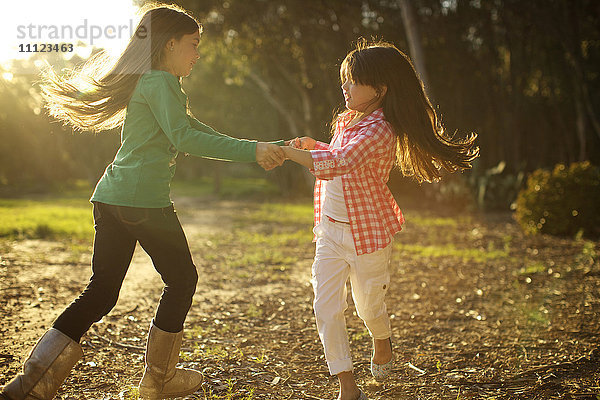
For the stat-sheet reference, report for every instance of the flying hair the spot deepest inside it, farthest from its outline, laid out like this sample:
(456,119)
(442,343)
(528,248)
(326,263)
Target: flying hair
(423,147)
(94,96)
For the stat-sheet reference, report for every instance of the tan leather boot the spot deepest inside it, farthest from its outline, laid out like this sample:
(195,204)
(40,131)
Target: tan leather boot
(161,379)
(45,369)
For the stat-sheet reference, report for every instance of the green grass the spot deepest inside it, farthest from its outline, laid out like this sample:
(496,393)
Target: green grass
(54,217)
(68,214)
(281,213)
(449,250)
(253,311)
(420,219)
(270,239)
(533,268)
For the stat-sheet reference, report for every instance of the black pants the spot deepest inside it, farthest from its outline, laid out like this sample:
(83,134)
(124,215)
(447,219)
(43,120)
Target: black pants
(118,229)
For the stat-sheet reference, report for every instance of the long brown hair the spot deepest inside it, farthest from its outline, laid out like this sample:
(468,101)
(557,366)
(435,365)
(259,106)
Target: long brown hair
(423,148)
(94,97)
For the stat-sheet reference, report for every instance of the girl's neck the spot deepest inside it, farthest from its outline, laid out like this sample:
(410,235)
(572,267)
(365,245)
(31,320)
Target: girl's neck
(360,115)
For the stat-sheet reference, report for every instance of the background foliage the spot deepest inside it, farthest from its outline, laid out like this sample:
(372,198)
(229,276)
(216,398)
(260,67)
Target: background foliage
(563,201)
(523,75)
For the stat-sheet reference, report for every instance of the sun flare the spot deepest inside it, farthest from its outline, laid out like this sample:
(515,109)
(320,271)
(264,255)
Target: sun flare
(61,29)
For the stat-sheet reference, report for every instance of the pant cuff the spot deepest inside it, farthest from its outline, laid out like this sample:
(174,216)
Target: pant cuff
(379,328)
(335,367)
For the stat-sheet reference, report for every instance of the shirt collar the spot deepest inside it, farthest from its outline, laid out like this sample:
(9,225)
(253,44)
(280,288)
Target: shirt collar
(373,117)
(172,79)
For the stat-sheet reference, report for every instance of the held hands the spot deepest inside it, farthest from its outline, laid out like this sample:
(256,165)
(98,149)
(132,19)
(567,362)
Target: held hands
(269,155)
(297,150)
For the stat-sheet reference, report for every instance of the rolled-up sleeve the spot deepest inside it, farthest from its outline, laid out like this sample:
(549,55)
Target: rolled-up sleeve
(329,163)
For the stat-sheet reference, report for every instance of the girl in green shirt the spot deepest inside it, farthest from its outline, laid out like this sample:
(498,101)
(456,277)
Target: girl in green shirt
(142,93)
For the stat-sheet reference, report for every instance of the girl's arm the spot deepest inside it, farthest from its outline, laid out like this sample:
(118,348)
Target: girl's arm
(375,140)
(302,157)
(195,138)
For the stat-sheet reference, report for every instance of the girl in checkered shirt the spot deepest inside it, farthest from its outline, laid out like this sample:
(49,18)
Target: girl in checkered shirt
(388,121)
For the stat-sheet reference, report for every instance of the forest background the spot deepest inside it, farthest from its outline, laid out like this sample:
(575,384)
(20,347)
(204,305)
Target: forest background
(523,75)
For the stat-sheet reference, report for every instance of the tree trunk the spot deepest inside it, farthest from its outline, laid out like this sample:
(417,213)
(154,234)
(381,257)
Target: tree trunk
(580,126)
(414,41)
(268,95)
(287,116)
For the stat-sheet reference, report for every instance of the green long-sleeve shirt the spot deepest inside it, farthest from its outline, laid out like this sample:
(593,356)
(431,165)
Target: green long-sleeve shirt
(157,127)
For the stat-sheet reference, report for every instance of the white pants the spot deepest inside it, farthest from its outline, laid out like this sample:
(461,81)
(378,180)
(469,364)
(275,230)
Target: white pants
(336,261)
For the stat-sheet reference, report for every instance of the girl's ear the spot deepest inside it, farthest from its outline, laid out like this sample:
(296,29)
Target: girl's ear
(381,91)
(170,45)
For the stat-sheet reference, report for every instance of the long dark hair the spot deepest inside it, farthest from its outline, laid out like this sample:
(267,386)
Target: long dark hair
(94,97)
(423,148)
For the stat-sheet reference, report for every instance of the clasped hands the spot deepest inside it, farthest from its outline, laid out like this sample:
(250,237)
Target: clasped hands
(269,155)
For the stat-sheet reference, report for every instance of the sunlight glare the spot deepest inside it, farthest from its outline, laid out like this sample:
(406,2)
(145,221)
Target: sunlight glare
(85,25)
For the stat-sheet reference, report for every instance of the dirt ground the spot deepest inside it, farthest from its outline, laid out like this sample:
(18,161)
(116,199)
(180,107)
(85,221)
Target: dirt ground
(521,326)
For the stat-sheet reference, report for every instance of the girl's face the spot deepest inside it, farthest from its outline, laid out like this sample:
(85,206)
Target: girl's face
(182,54)
(362,98)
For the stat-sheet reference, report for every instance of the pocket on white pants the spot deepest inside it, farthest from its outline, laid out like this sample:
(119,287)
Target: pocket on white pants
(376,288)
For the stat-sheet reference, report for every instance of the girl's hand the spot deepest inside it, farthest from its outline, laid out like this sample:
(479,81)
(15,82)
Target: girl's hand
(304,143)
(269,155)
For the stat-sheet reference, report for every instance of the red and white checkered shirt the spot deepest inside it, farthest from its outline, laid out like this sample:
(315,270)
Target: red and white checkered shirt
(364,162)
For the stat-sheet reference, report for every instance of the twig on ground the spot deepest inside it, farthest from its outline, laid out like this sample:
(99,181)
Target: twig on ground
(124,312)
(419,370)
(119,344)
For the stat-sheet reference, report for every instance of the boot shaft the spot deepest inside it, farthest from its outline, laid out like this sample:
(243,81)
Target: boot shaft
(161,377)
(46,367)
(162,352)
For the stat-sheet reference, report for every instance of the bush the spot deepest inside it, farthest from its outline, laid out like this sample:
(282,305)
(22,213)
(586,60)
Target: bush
(562,202)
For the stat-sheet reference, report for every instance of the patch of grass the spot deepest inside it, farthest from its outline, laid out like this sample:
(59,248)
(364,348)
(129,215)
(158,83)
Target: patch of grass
(56,218)
(358,336)
(534,315)
(277,240)
(196,332)
(449,250)
(130,393)
(507,242)
(191,355)
(217,351)
(261,256)
(253,311)
(230,393)
(588,254)
(256,255)
(281,213)
(245,237)
(534,268)
(431,221)
(260,360)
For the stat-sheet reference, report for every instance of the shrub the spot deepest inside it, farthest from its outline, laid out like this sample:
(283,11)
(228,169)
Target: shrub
(564,201)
